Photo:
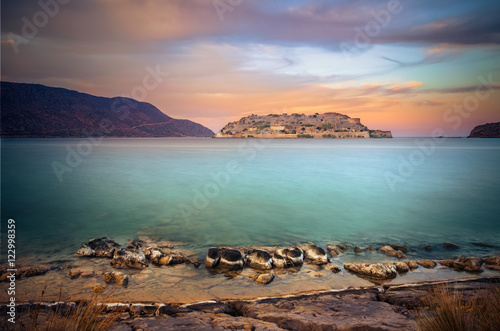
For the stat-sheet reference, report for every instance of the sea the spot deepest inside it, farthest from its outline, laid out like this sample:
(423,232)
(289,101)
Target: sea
(206,192)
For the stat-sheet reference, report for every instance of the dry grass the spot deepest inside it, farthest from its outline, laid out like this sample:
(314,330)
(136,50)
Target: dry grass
(88,315)
(449,310)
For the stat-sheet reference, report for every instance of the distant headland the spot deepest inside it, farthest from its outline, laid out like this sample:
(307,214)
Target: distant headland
(327,125)
(489,130)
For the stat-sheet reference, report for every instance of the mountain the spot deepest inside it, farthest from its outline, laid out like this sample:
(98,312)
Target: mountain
(328,125)
(33,110)
(489,130)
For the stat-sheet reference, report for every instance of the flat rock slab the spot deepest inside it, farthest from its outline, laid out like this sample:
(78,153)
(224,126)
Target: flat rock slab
(328,312)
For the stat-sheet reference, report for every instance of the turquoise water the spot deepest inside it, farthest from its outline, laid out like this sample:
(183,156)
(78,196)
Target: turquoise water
(207,192)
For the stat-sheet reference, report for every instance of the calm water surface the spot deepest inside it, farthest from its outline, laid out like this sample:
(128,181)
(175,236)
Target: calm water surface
(207,192)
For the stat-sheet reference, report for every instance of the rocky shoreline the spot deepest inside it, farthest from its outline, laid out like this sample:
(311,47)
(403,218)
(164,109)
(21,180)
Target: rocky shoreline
(372,308)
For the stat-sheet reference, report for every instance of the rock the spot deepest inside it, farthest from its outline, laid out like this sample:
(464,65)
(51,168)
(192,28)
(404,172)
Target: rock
(128,259)
(488,130)
(316,274)
(334,268)
(28,271)
(357,250)
(428,247)
(98,247)
(231,259)
(315,254)
(165,260)
(429,264)
(492,260)
(375,270)
(114,277)
(153,254)
(259,259)
(336,249)
(212,307)
(262,279)
(412,265)
(401,248)
(294,256)
(450,246)
(492,267)
(326,312)
(77,272)
(388,250)
(370,248)
(402,267)
(470,264)
(279,261)
(483,245)
(213,257)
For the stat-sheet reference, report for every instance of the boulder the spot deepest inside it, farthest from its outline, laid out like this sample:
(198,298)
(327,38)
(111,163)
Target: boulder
(213,257)
(483,245)
(262,279)
(279,261)
(127,259)
(294,256)
(315,254)
(450,246)
(428,247)
(492,260)
(114,277)
(81,272)
(429,264)
(98,247)
(401,248)
(375,270)
(388,250)
(402,267)
(470,264)
(357,250)
(370,248)
(336,249)
(412,265)
(259,259)
(231,259)
(334,268)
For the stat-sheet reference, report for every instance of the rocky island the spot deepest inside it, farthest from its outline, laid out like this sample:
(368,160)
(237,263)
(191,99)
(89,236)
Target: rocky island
(327,125)
(489,130)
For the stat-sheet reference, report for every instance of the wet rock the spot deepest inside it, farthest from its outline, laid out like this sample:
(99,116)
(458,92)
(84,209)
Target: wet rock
(212,258)
(492,267)
(470,264)
(334,268)
(153,254)
(231,259)
(279,261)
(375,270)
(412,265)
(259,259)
(128,259)
(81,272)
(450,246)
(428,247)
(98,247)
(27,271)
(401,248)
(483,245)
(429,264)
(388,250)
(402,267)
(294,256)
(357,250)
(212,307)
(262,279)
(492,260)
(370,248)
(315,254)
(114,277)
(336,249)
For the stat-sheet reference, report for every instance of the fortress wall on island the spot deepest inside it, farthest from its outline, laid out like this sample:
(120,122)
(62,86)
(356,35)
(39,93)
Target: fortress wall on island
(330,135)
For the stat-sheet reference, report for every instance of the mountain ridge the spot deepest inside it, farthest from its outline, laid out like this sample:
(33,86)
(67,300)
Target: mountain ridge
(488,130)
(38,111)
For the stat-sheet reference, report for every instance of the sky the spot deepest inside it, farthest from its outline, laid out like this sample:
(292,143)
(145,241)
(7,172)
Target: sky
(412,67)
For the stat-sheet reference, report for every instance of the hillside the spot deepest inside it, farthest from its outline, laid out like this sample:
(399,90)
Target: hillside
(489,130)
(33,110)
(328,125)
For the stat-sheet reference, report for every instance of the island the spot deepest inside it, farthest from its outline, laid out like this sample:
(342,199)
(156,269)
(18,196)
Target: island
(326,126)
(489,130)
